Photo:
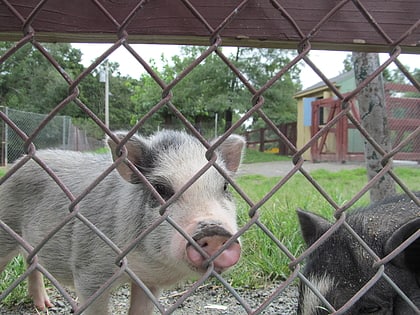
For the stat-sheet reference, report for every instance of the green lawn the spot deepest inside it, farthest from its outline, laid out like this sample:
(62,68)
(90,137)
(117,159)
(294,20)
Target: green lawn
(255,156)
(262,260)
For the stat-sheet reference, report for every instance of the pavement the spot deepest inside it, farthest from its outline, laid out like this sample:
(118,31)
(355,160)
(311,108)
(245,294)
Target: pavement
(281,168)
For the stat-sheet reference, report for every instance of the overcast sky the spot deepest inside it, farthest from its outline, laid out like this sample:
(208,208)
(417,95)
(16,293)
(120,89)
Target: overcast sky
(329,62)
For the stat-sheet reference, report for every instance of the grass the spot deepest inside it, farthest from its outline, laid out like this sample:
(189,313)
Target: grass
(262,260)
(19,295)
(255,156)
(101,150)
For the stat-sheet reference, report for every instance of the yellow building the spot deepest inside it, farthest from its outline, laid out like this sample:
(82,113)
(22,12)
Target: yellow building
(344,83)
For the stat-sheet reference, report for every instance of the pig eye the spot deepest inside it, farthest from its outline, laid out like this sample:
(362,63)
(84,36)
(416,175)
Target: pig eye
(164,191)
(369,309)
(225,186)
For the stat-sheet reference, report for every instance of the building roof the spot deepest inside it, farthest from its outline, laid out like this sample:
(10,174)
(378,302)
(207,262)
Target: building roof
(321,85)
(337,80)
(397,87)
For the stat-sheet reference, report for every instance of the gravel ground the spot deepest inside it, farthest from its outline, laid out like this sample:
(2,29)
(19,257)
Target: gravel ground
(207,300)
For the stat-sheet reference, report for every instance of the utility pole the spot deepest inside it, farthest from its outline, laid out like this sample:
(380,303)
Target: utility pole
(104,77)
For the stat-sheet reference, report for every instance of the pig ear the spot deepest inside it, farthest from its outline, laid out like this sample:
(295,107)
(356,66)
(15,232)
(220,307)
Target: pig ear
(312,226)
(410,257)
(231,151)
(135,150)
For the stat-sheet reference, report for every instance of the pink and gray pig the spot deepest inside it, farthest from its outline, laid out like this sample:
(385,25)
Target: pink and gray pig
(122,206)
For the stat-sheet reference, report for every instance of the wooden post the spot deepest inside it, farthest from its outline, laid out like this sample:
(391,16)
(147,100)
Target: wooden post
(262,133)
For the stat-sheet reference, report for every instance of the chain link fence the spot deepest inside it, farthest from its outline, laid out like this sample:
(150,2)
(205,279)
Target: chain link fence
(121,21)
(60,133)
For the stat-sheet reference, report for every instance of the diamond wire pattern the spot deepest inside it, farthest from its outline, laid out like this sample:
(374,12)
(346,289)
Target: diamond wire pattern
(256,107)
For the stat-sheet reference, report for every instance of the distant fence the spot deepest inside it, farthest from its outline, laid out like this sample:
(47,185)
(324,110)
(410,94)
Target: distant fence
(59,133)
(266,138)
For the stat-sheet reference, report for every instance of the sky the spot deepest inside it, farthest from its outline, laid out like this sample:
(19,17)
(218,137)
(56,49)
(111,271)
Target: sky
(329,62)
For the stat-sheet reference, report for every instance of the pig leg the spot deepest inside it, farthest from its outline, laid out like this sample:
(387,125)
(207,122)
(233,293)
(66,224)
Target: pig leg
(37,290)
(85,288)
(8,249)
(99,306)
(140,303)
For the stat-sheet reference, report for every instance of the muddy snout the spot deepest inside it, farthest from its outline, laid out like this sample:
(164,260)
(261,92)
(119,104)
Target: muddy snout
(211,237)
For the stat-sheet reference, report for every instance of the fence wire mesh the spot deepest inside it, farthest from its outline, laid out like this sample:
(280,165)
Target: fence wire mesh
(256,107)
(60,133)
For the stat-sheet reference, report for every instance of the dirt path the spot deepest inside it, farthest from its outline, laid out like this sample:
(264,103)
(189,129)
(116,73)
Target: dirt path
(281,168)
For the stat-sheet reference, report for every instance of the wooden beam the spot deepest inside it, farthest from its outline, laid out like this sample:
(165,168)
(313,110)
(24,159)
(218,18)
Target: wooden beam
(259,23)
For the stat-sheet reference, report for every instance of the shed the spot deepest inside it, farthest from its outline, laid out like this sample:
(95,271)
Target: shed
(318,105)
(345,82)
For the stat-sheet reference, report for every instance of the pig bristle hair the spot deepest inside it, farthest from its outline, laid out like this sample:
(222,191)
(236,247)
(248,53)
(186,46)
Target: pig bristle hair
(311,301)
(177,164)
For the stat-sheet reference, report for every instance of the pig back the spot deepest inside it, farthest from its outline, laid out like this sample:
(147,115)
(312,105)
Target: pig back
(377,222)
(33,204)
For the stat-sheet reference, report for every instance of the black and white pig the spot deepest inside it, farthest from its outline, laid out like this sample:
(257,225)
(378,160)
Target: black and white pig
(340,266)
(121,206)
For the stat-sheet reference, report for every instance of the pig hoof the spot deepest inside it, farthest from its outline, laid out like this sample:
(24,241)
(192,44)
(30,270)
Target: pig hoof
(42,301)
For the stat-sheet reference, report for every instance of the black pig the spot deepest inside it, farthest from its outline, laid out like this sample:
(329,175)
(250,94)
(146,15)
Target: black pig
(341,266)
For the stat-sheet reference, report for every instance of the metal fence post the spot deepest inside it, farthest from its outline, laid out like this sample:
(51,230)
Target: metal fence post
(6,137)
(3,140)
(64,132)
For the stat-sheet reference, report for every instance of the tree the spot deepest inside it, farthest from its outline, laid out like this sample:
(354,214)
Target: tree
(29,82)
(212,88)
(387,75)
(259,66)
(203,93)
(146,94)
(371,100)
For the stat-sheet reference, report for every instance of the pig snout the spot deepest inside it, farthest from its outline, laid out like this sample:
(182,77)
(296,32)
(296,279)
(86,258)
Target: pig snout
(211,237)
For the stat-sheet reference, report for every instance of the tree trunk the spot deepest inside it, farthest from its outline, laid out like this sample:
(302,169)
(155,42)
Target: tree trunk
(372,109)
(233,84)
(228,118)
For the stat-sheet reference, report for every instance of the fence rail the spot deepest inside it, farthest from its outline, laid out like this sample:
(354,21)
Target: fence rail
(392,27)
(260,137)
